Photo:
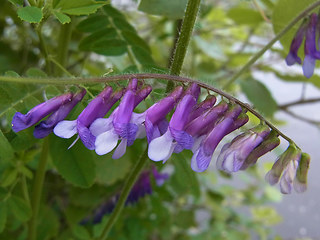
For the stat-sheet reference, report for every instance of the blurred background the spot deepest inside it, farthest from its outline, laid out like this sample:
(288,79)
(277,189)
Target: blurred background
(127,36)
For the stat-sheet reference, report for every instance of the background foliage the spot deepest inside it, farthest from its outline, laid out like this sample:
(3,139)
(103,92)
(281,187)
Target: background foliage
(95,38)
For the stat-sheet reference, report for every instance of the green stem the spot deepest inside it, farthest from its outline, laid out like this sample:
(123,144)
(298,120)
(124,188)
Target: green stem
(43,48)
(184,39)
(25,191)
(270,44)
(32,3)
(37,190)
(67,81)
(63,46)
(124,194)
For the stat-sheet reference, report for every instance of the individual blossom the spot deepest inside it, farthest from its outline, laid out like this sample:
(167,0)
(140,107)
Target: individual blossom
(155,117)
(22,121)
(284,169)
(45,127)
(97,108)
(293,57)
(234,154)
(268,144)
(202,155)
(300,180)
(310,49)
(161,148)
(141,188)
(120,125)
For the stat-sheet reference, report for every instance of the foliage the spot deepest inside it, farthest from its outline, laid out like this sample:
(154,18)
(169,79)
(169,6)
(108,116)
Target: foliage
(93,38)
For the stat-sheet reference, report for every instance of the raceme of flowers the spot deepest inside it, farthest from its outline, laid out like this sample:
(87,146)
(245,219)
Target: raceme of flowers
(194,125)
(307,32)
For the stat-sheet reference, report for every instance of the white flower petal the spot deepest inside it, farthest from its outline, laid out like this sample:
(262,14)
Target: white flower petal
(121,149)
(106,142)
(100,126)
(197,143)
(66,129)
(161,148)
(194,163)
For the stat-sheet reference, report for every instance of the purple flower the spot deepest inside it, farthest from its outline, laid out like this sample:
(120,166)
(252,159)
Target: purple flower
(122,124)
(140,189)
(155,117)
(234,154)
(293,57)
(268,144)
(310,49)
(202,156)
(97,108)
(22,121)
(285,168)
(300,181)
(45,127)
(161,148)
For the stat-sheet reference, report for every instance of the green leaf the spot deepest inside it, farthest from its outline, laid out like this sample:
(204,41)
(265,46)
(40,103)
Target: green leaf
(63,18)
(241,15)
(30,14)
(48,227)
(111,170)
(105,34)
(76,165)
(184,179)
(3,215)
(171,9)
(6,151)
(111,47)
(77,7)
(93,23)
(36,72)
(260,96)
(281,18)
(8,177)
(19,208)
(80,232)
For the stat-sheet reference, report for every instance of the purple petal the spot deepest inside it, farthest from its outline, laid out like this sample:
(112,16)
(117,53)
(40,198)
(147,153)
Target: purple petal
(86,136)
(126,130)
(182,138)
(120,150)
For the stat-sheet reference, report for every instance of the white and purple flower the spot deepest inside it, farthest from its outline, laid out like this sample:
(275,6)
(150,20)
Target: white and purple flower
(122,124)
(97,108)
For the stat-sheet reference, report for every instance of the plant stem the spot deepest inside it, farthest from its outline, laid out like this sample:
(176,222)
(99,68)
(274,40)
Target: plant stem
(270,44)
(184,39)
(63,46)
(44,48)
(66,81)
(124,194)
(37,190)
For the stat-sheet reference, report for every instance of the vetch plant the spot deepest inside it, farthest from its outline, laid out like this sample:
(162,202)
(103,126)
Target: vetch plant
(114,79)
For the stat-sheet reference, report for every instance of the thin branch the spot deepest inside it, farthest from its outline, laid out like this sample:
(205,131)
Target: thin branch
(299,102)
(292,114)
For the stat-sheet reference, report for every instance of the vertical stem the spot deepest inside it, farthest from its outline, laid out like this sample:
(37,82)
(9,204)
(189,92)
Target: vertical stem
(63,46)
(124,194)
(37,190)
(44,49)
(184,39)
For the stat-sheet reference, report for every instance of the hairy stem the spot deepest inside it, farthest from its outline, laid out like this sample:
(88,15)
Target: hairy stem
(270,44)
(44,49)
(37,190)
(63,46)
(124,194)
(184,39)
(67,81)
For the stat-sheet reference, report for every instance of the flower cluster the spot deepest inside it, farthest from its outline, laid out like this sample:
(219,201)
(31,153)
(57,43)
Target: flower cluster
(141,188)
(308,32)
(194,125)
